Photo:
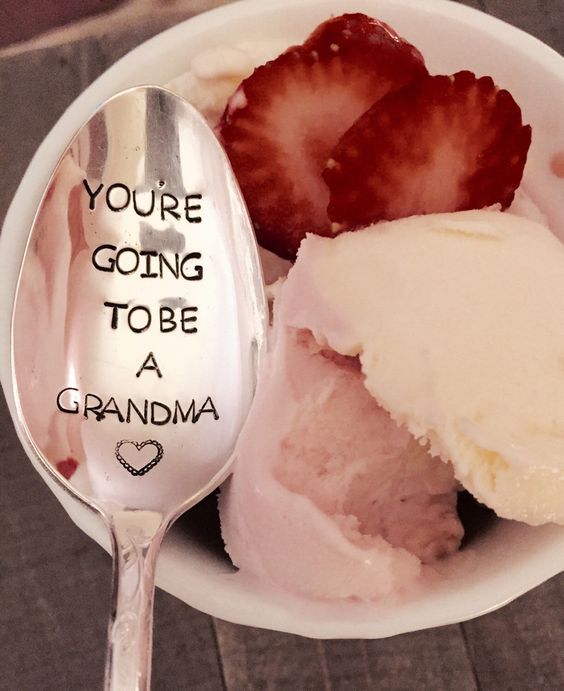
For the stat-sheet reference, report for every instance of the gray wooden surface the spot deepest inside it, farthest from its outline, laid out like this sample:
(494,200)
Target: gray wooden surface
(54,582)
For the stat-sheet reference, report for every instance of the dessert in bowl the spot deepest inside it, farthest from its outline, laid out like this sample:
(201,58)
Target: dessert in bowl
(507,558)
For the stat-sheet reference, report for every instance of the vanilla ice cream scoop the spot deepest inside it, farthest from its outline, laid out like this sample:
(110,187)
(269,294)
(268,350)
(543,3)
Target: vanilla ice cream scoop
(459,323)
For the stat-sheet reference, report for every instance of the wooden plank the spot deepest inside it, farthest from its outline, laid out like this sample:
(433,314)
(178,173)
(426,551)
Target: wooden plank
(348,664)
(260,659)
(435,659)
(255,659)
(541,18)
(118,42)
(30,105)
(185,654)
(476,4)
(54,584)
(520,646)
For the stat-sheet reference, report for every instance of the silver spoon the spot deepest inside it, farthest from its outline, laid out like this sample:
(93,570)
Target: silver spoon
(139,322)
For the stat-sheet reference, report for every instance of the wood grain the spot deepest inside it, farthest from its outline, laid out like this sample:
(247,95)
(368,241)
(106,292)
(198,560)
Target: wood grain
(520,646)
(30,106)
(257,659)
(544,19)
(476,4)
(434,659)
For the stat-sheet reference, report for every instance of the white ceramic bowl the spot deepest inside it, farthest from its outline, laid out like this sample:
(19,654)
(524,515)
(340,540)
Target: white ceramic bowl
(508,558)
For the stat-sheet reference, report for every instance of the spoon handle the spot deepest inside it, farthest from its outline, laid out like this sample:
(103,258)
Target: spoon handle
(136,539)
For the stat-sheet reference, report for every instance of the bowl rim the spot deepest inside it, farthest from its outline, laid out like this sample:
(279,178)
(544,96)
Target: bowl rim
(197,590)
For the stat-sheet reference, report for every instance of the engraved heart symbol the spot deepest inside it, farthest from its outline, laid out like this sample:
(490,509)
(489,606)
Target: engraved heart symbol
(138,457)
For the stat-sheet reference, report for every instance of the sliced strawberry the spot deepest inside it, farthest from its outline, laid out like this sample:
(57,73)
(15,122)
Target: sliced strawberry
(439,144)
(282,123)
(348,30)
(67,467)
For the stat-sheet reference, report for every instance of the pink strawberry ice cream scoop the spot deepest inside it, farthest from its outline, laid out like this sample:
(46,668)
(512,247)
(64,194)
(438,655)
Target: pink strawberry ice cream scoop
(329,497)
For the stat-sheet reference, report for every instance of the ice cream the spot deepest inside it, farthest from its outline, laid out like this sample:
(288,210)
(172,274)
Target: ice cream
(331,498)
(214,73)
(457,321)
(405,357)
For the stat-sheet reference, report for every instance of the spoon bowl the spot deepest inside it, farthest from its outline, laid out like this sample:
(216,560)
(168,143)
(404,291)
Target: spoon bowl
(138,325)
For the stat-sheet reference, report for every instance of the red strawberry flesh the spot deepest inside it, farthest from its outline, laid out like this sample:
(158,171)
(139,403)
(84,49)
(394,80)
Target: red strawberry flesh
(281,125)
(67,467)
(439,144)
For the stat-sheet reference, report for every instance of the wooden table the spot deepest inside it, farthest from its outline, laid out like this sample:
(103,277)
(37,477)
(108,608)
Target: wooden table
(54,581)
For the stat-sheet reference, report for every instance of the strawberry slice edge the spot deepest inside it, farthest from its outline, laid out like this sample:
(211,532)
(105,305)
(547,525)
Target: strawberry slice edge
(440,144)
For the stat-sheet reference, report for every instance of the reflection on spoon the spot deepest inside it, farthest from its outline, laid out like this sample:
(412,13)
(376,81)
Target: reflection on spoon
(139,322)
